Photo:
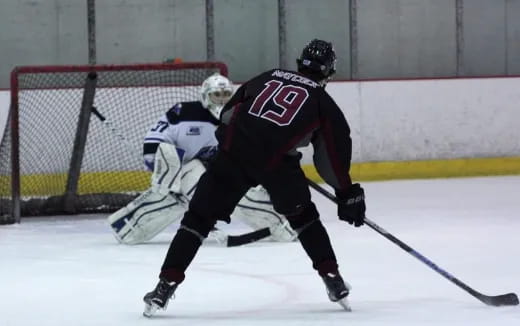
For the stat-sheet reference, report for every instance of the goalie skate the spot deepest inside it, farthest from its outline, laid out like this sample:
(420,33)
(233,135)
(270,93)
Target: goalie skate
(337,290)
(159,297)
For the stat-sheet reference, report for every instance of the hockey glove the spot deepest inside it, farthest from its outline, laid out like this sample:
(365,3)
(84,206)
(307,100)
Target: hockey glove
(351,205)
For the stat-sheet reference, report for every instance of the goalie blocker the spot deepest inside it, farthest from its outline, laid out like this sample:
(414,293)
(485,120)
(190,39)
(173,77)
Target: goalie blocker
(164,203)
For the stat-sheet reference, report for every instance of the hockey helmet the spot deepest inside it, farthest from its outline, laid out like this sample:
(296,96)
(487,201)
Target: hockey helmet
(215,91)
(318,61)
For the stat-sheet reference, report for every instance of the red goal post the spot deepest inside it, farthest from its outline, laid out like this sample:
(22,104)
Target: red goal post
(57,158)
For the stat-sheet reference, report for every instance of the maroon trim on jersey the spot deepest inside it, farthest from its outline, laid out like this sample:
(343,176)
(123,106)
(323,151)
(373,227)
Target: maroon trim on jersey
(333,155)
(265,95)
(292,143)
(231,127)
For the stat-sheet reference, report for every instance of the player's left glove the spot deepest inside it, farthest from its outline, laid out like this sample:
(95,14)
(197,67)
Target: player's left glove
(351,205)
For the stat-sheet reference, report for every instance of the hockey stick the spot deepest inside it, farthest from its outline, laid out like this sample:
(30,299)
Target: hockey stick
(246,238)
(509,299)
(231,240)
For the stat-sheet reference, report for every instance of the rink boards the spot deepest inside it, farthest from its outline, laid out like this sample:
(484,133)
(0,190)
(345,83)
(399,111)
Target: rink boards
(400,129)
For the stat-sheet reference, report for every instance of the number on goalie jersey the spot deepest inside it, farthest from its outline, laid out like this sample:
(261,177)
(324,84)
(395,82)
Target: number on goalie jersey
(176,149)
(189,127)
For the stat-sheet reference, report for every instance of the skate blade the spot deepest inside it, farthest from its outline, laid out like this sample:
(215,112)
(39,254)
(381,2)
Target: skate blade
(345,304)
(150,310)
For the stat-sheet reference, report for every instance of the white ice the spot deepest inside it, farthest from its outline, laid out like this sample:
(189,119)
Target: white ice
(70,270)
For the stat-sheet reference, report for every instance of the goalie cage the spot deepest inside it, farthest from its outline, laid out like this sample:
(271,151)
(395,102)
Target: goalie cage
(57,158)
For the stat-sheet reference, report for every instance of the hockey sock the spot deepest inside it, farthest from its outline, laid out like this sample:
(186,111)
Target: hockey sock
(184,246)
(327,267)
(314,239)
(316,243)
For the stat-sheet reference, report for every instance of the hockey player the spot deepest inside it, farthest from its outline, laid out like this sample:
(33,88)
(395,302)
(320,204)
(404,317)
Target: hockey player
(265,121)
(176,149)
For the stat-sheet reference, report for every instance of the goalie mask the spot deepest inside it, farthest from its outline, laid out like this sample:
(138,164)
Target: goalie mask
(215,91)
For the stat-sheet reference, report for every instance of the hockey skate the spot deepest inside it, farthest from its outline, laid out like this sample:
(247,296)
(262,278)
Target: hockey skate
(159,297)
(337,289)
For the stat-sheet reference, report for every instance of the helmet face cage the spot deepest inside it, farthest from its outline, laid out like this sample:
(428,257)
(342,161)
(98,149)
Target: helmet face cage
(219,96)
(318,59)
(215,92)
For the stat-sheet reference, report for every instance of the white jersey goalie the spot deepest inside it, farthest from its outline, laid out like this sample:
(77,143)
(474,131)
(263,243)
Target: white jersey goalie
(176,149)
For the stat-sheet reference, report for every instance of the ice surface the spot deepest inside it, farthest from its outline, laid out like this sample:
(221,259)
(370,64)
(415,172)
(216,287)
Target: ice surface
(70,271)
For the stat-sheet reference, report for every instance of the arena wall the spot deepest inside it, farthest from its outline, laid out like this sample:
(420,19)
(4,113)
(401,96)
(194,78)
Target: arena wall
(422,128)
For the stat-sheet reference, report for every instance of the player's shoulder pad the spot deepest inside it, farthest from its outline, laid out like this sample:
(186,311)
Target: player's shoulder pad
(326,102)
(189,111)
(324,95)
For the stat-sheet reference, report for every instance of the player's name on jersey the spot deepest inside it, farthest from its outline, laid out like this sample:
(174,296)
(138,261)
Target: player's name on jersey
(294,77)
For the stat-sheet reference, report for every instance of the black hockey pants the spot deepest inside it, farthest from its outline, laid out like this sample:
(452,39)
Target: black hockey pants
(218,192)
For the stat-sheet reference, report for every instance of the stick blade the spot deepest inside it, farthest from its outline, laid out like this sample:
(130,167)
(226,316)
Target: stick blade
(509,299)
(238,240)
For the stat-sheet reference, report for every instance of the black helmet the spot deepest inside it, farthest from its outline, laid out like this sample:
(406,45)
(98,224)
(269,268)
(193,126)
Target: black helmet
(318,60)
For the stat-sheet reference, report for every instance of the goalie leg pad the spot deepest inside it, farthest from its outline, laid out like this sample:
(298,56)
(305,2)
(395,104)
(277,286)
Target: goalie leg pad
(167,167)
(146,216)
(190,175)
(256,210)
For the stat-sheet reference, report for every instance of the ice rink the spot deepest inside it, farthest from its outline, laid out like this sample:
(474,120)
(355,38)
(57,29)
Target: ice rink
(70,270)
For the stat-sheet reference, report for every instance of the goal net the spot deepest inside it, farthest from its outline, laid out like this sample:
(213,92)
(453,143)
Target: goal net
(57,157)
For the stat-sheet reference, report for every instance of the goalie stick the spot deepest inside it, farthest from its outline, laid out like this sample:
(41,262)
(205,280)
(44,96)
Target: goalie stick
(509,299)
(231,240)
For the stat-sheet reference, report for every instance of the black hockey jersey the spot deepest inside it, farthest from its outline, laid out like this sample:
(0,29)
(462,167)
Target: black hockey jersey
(273,114)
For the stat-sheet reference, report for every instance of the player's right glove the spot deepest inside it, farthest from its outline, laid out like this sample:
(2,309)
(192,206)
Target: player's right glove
(351,205)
